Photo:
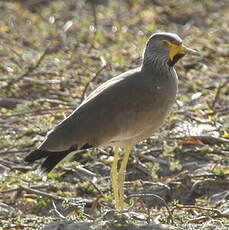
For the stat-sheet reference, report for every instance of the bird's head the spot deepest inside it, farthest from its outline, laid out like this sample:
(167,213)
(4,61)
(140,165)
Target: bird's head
(167,47)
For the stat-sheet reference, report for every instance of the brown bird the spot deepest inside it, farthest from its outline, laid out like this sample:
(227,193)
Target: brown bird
(121,112)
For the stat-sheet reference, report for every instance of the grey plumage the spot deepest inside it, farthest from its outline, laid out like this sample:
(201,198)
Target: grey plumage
(122,111)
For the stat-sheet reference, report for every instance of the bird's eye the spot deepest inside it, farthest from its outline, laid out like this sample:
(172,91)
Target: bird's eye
(164,42)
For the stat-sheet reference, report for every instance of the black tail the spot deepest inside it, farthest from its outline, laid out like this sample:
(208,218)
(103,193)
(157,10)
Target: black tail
(52,158)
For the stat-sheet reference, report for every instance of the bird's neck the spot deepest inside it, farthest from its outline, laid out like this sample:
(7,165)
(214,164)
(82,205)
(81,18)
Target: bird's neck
(155,64)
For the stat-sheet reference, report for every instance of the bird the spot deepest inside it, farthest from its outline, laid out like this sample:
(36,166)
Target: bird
(121,112)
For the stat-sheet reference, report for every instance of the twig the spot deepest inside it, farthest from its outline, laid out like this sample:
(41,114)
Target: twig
(96,188)
(95,204)
(212,140)
(190,116)
(83,171)
(86,173)
(142,207)
(158,198)
(17,54)
(214,176)
(196,207)
(93,79)
(22,168)
(5,169)
(220,152)
(14,151)
(204,138)
(8,163)
(41,193)
(54,101)
(61,211)
(202,218)
(94,11)
(19,188)
(57,211)
(39,111)
(29,70)
(10,103)
(212,106)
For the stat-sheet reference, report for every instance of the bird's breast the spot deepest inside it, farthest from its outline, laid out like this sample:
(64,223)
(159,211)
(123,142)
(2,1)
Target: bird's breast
(153,106)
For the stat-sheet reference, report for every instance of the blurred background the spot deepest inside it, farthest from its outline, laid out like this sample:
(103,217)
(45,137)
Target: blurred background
(54,52)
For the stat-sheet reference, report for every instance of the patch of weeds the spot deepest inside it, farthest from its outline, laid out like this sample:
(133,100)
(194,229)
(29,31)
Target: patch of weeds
(175,166)
(5,141)
(34,176)
(222,170)
(42,203)
(54,175)
(86,188)
(169,150)
(108,197)
(154,168)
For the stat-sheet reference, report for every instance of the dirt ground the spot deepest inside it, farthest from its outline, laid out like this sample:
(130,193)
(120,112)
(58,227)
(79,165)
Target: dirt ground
(53,53)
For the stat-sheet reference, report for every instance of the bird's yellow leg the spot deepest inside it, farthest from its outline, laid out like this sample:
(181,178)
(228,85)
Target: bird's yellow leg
(121,177)
(114,178)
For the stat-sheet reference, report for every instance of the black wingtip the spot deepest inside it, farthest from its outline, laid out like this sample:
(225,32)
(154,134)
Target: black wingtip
(36,155)
(52,158)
